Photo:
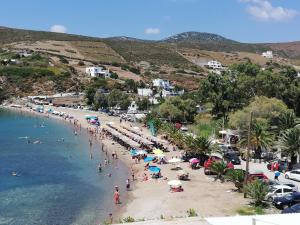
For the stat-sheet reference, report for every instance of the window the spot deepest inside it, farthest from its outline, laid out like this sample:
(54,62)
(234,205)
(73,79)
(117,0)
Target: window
(286,190)
(278,191)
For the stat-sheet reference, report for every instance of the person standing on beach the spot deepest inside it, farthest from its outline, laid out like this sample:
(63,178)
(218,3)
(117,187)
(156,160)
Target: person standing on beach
(117,196)
(132,175)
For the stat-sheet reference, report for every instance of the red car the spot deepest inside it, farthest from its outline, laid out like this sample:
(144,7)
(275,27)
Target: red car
(259,176)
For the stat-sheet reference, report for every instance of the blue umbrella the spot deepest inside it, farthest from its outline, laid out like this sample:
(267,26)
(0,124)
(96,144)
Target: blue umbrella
(154,169)
(133,152)
(148,159)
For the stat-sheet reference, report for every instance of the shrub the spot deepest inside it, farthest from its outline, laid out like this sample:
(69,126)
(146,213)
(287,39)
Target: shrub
(191,213)
(128,219)
(257,190)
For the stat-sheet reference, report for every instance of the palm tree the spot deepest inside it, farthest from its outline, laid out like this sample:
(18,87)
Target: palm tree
(257,190)
(237,176)
(287,120)
(219,167)
(202,145)
(259,138)
(289,143)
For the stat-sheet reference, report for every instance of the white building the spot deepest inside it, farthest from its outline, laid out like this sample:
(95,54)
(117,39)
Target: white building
(160,83)
(268,54)
(146,92)
(97,72)
(215,65)
(168,93)
(132,108)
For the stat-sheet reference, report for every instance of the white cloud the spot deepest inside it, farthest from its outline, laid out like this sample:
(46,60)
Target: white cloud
(152,31)
(263,10)
(58,28)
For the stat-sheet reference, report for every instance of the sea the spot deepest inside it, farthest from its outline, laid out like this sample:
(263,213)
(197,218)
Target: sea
(48,175)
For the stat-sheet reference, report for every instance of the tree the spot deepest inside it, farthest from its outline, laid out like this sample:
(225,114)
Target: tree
(287,120)
(289,143)
(100,100)
(177,109)
(264,109)
(130,85)
(118,98)
(114,75)
(246,68)
(259,138)
(143,104)
(257,190)
(90,94)
(237,176)
(219,167)
(222,92)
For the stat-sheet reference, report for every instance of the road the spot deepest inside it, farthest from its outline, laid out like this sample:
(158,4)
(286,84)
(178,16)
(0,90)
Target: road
(270,174)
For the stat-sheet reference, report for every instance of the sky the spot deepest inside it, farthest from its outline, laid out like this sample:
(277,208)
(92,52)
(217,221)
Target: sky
(241,20)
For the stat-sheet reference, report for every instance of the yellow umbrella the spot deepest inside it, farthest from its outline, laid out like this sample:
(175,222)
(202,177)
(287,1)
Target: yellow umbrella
(158,151)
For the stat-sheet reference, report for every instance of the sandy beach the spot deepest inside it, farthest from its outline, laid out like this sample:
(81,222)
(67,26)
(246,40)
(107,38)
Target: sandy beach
(152,199)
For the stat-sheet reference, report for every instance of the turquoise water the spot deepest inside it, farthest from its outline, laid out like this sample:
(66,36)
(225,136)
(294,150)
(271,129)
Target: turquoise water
(57,182)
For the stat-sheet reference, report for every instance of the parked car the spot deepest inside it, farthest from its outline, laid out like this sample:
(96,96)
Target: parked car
(293,175)
(232,157)
(229,148)
(278,191)
(292,209)
(287,200)
(291,185)
(259,176)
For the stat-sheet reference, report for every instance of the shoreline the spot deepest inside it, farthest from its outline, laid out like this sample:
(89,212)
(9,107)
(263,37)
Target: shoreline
(152,199)
(108,144)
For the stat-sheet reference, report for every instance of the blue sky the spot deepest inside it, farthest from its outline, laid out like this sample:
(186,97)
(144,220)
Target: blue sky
(241,20)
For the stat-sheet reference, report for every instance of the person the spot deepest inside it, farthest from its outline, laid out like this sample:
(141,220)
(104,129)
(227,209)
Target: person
(127,184)
(100,168)
(113,154)
(117,197)
(132,175)
(277,174)
(145,177)
(230,165)
(110,218)
(105,161)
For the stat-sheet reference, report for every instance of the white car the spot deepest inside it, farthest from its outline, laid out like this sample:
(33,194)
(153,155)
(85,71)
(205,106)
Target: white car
(293,175)
(278,191)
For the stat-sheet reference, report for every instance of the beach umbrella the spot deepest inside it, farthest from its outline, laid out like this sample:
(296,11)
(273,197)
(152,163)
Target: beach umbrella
(141,152)
(174,160)
(174,183)
(194,160)
(158,151)
(154,169)
(148,159)
(133,152)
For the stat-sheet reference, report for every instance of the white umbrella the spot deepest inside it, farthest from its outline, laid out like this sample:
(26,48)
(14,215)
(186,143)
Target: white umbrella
(174,183)
(174,160)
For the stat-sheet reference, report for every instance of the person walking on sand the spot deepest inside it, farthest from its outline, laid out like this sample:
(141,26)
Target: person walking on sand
(127,184)
(132,175)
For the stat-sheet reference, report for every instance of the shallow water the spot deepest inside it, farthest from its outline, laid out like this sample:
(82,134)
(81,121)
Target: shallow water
(57,182)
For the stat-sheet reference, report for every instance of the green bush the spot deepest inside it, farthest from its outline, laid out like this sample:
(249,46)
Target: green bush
(191,213)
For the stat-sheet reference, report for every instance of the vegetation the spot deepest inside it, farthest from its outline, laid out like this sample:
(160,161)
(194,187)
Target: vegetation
(289,143)
(237,176)
(191,213)
(177,109)
(248,211)
(219,167)
(257,190)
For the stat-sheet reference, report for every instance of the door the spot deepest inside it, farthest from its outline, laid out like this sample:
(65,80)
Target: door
(296,175)
(287,191)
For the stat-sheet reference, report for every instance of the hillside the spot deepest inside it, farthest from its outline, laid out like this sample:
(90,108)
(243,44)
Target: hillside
(155,52)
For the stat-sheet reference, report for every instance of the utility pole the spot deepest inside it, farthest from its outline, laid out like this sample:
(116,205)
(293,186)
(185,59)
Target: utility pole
(248,153)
